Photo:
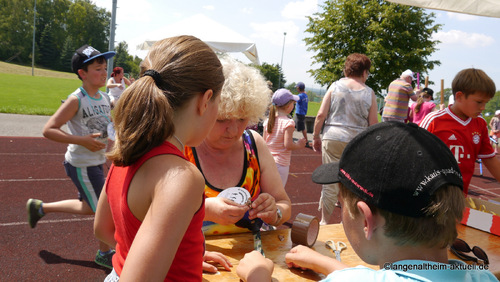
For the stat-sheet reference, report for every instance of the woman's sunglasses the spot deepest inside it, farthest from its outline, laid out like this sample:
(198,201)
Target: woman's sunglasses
(460,247)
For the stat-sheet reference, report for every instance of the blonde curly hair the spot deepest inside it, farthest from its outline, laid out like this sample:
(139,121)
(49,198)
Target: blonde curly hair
(245,93)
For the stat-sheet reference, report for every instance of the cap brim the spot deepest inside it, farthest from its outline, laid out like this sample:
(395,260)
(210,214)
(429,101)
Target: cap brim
(326,173)
(106,56)
(295,98)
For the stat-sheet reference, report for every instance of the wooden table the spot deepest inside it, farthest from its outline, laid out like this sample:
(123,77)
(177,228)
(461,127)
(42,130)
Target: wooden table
(488,242)
(235,246)
(277,243)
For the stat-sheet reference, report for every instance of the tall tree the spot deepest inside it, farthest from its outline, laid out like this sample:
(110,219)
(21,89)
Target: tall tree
(67,51)
(48,49)
(56,20)
(272,73)
(88,24)
(125,60)
(52,14)
(394,37)
(16,30)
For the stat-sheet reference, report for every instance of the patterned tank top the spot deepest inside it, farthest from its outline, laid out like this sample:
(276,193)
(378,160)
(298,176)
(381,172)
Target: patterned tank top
(250,180)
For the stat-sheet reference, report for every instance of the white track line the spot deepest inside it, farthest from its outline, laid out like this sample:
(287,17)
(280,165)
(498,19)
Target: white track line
(48,221)
(92,218)
(303,204)
(33,179)
(31,154)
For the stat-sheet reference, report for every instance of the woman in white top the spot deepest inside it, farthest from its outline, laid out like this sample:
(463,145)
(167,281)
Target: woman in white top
(349,107)
(116,85)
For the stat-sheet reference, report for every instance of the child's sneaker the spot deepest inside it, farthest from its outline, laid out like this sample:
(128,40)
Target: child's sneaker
(33,208)
(104,259)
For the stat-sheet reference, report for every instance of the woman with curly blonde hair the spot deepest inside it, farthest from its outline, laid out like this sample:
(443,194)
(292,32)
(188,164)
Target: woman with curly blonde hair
(232,156)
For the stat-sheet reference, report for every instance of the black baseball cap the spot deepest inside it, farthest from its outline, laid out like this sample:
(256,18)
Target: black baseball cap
(394,166)
(85,54)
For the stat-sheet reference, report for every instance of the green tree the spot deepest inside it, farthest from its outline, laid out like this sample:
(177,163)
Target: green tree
(123,59)
(68,49)
(56,20)
(272,72)
(16,30)
(51,21)
(493,105)
(394,37)
(88,24)
(49,52)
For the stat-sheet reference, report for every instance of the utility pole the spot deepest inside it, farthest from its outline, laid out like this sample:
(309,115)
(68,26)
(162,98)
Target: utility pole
(33,50)
(281,65)
(112,36)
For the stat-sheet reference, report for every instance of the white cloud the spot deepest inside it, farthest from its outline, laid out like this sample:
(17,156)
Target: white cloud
(128,10)
(273,32)
(461,17)
(247,11)
(209,7)
(458,37)
(300,9)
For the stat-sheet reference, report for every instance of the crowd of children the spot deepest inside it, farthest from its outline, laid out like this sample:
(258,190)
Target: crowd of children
(150,210)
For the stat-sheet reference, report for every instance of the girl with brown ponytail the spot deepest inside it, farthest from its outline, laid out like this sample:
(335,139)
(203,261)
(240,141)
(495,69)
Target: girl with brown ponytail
(423,106)
(152,207)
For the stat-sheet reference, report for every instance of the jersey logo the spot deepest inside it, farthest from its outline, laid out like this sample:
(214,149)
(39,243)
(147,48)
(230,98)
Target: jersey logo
(459,153)
(476,137)
(452,137)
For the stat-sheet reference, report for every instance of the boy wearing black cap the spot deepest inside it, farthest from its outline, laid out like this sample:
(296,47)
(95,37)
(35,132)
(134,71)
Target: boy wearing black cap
(400,214)
(87,113)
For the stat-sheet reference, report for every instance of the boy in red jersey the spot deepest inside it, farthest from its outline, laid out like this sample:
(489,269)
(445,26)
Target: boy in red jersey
(461,127)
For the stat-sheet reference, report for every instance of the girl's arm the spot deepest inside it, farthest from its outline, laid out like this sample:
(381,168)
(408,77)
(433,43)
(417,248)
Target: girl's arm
(175,198)
(273,193)
(104,226)
(127,82)
(289,144)
(111,83)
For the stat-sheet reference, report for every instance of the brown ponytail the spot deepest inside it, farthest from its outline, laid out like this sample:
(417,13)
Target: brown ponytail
(185,67)
(420,101)
(272,118)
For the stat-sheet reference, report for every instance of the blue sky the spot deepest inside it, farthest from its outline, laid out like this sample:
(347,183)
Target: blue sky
(466,41)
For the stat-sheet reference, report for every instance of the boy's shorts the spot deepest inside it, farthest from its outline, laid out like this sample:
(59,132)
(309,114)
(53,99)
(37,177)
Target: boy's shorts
(89,182)
(300,124)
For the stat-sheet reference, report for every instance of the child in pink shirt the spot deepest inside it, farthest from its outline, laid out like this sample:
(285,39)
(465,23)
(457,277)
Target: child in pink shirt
(278,131)
(423,106)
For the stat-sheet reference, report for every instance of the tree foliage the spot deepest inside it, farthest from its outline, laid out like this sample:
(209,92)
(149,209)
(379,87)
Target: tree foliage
(123,59)
(61,25)
(272,73)
(16,29)
(394,37)
(493,105)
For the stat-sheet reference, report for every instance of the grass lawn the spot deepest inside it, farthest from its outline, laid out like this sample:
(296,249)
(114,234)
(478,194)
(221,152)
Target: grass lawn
(22,93)
(313,108)
(34,95)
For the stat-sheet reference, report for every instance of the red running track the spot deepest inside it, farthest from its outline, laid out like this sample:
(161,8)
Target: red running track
(62,246)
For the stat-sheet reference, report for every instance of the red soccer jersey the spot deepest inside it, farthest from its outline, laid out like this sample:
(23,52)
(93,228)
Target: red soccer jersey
(467,139)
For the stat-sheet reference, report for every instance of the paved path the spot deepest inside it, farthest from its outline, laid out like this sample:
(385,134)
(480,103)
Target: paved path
(22,125)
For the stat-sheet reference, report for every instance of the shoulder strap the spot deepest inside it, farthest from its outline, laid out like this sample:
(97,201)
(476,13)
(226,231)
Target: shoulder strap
(248,138)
